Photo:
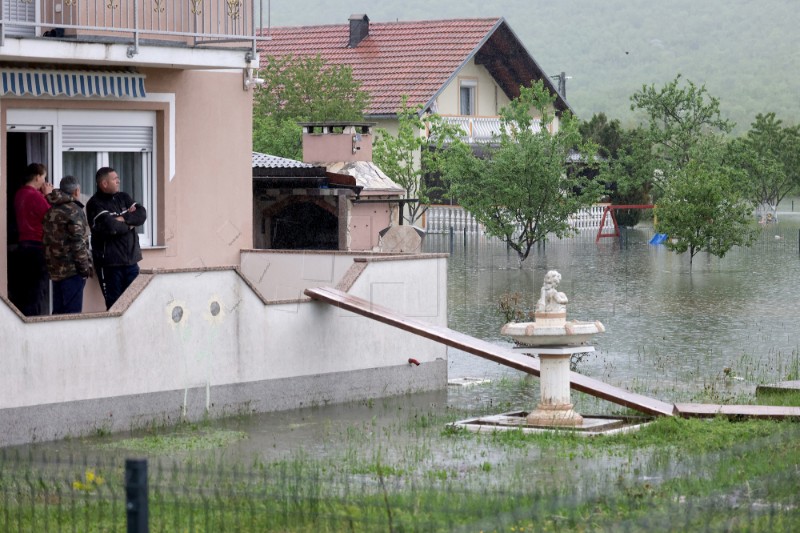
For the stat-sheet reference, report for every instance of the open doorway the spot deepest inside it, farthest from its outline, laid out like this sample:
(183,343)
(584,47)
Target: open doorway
(24,145)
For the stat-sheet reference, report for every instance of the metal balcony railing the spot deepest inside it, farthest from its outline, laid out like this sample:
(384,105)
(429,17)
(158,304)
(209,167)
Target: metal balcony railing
(480,129)
(195,23)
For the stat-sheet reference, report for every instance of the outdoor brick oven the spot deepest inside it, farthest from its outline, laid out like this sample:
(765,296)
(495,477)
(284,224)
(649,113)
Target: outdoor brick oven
(337,199)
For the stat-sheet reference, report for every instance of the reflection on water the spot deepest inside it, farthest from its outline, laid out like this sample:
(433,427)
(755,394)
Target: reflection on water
(669,330)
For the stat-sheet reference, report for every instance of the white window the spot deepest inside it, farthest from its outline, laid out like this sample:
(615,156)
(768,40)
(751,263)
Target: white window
(467,91)
(87,140)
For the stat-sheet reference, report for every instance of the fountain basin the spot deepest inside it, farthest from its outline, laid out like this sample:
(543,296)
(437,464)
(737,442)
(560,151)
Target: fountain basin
(538,333)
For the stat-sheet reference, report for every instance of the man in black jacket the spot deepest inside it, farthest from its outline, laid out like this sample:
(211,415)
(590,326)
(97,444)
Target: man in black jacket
(114,217)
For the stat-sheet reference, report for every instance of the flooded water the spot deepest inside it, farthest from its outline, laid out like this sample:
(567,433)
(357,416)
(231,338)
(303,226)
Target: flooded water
(677,334)
(670,330)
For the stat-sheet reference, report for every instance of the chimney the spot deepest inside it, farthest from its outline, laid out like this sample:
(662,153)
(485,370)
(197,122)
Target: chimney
(359,29)
(334,142)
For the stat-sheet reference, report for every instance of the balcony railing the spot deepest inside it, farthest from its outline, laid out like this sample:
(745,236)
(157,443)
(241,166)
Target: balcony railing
(196,23)
(480,129)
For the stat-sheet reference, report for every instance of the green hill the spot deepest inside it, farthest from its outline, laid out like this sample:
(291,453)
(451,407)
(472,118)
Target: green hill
(746,53)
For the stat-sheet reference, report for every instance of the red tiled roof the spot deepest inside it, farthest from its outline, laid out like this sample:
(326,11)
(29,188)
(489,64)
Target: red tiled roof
(395,59)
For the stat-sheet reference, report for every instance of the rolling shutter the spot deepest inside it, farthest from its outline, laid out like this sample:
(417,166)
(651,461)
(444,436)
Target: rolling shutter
(107,138)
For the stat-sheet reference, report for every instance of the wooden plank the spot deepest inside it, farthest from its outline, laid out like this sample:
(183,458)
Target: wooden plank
(703,410)
(489,351)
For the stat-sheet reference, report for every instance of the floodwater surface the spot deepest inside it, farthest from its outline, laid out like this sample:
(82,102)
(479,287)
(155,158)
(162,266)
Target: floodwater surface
(712,332)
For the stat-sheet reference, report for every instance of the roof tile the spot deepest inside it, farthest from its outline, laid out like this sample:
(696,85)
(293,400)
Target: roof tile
(387,61)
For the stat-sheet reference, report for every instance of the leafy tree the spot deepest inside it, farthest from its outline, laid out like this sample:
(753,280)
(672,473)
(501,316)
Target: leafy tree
(679,117)
(770,154)
(704,208)
(301,89)
(627,169)
(523,189)
(607,135)
(416,150)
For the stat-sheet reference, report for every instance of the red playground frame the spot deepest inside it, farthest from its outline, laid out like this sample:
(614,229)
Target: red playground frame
(610,209)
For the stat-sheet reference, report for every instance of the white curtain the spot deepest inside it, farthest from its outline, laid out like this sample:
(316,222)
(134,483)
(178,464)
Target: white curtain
(36,147)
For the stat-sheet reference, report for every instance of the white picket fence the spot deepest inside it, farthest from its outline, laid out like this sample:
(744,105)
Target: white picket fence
(440,218)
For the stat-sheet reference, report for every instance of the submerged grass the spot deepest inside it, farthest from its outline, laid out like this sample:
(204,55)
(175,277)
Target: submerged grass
(673,475)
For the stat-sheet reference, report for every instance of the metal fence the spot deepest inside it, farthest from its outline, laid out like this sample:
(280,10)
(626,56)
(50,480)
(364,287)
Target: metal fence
(783,237)
(203,22)
(441,218)
(69,494)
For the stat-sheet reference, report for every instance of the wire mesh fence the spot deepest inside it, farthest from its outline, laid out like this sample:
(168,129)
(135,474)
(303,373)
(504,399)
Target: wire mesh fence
(676,493)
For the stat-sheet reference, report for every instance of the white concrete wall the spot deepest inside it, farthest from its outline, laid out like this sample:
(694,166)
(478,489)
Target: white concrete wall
(69,377)
(283,275)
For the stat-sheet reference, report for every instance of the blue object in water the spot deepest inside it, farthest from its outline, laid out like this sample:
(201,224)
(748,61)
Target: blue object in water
(658,238)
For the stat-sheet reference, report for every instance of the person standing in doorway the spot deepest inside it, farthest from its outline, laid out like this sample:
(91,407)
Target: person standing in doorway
(113,218)
(30,206)
(66,246)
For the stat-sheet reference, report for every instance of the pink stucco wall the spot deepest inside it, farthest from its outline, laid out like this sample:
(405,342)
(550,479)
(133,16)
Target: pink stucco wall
(336,147)
(204,210)
(366,220)
(207,206)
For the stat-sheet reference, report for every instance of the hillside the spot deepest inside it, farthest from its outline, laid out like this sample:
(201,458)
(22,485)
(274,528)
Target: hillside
(747,53)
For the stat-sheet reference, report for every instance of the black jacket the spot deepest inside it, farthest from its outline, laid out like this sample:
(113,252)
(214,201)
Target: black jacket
(115,243)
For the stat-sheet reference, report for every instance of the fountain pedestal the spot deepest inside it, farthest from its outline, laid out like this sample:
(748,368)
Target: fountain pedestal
(554,340)
(555,405)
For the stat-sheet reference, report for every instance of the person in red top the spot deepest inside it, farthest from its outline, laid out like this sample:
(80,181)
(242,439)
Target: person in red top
(30,206)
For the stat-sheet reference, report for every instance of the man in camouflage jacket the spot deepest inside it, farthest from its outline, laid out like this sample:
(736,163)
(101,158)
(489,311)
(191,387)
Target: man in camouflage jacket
(66,246)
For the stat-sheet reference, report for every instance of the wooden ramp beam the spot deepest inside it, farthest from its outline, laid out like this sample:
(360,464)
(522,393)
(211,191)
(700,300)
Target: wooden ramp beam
(705,410)
(489,351)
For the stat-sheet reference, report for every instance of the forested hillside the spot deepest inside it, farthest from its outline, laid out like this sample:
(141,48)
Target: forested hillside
(746,53)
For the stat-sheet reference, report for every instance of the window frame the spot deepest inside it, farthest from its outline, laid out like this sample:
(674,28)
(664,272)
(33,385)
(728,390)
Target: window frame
(471,85)
(56,119)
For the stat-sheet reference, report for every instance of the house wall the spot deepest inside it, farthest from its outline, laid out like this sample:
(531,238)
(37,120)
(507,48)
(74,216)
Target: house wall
(366,221)
(336,147)
(203,341)
(202,168)
(207,215)
(490,98)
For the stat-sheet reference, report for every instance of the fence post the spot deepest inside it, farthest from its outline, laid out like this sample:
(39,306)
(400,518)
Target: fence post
(136,495)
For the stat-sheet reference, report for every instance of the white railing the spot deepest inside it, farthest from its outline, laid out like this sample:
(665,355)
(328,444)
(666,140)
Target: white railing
(440,218)
(481,129)
(192,22)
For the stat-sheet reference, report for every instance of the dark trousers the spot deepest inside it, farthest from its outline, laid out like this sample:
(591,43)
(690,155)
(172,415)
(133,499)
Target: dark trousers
(114,280)
(29,293)
(68,295)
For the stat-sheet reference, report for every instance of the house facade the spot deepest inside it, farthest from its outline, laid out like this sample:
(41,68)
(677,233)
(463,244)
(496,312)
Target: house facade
(145,88)
(211,327)
(466,70)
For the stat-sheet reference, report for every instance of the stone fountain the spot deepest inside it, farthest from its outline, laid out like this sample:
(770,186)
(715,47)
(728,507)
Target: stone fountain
(554,340)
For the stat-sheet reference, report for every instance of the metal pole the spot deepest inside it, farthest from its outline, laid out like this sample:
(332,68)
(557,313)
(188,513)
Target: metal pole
(451,240)
(136,495)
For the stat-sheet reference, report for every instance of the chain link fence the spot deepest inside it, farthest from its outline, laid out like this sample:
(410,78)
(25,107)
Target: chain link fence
(52,493)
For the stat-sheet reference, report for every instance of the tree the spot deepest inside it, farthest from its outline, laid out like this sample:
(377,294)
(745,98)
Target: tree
(770,154)
(524,189)
(416,150)
(678,118)
(704,207)
(301,89)
(627,168)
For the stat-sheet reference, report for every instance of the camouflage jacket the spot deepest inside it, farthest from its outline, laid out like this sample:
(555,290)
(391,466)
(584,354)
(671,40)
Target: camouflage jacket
(66,238)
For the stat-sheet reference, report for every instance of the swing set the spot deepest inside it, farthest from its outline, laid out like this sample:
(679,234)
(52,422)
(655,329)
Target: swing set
(609,210)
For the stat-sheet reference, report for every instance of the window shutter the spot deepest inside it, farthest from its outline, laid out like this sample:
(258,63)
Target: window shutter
(17,10)
(107,138)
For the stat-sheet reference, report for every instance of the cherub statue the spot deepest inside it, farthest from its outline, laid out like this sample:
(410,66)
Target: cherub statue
(551,301)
